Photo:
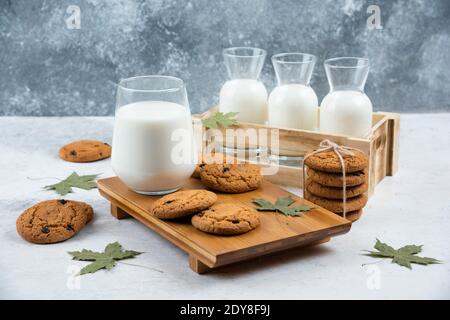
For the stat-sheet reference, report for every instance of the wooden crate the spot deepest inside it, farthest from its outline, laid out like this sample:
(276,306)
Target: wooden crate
(381,146)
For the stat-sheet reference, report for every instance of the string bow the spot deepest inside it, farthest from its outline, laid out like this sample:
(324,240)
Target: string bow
(341,152)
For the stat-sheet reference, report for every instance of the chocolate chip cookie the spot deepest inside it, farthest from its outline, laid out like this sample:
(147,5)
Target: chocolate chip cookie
(226,218)
(85,151)
(354,215)
(182,203)
(335,192)
(211,159)
(331,179)
(53,220)
(198,170)
(231,178)
(328,161)
(337,206)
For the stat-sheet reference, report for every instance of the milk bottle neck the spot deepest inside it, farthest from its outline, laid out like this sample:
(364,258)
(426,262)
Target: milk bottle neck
(244,62)
(293,68)
(347,73)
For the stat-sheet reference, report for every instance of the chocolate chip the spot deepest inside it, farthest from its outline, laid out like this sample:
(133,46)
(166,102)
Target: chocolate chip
(106,144)
(100,154)
(45,229)
(235,221)
(169,201)
(69,227)
(62,201)
(202,165)
(226,168)
(73,153)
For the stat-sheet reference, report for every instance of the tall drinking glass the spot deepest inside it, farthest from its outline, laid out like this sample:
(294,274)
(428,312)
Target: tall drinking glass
(153,150)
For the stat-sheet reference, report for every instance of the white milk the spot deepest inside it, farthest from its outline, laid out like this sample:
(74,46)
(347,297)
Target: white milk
(293,106)
(246,96)
(143,145)
(347,112)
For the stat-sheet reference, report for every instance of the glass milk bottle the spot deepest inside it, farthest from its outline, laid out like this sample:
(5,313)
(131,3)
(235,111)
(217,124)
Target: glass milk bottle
(243,93)
(346,109)
(293,103)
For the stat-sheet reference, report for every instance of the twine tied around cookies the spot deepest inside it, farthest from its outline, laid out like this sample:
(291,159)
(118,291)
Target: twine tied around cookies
(340,151)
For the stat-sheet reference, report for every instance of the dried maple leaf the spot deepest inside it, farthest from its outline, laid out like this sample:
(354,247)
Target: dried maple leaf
(403,256)
(64,187)
(282,205)
(220,119)
(103,260)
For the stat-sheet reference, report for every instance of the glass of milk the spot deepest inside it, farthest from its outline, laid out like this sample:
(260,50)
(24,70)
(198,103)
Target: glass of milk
(293,103)
(243,93)
(153,149)
(346,109)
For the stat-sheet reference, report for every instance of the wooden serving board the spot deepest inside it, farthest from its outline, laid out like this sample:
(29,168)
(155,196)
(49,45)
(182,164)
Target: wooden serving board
(277,232)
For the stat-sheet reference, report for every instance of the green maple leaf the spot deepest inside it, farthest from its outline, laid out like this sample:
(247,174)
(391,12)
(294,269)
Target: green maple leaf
(64,187)
(282,205)
(103,260)
(220,119)
(403,256)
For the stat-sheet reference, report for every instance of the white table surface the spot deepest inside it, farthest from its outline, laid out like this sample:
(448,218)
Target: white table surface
(411,207)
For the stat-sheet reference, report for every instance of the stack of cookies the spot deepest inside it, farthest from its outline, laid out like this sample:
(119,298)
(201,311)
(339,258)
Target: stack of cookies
(324,182)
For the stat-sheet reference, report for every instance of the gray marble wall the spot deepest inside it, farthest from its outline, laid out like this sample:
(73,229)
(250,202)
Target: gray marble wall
(47,68)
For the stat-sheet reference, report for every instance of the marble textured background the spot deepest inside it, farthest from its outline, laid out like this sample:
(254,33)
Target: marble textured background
(48,69)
